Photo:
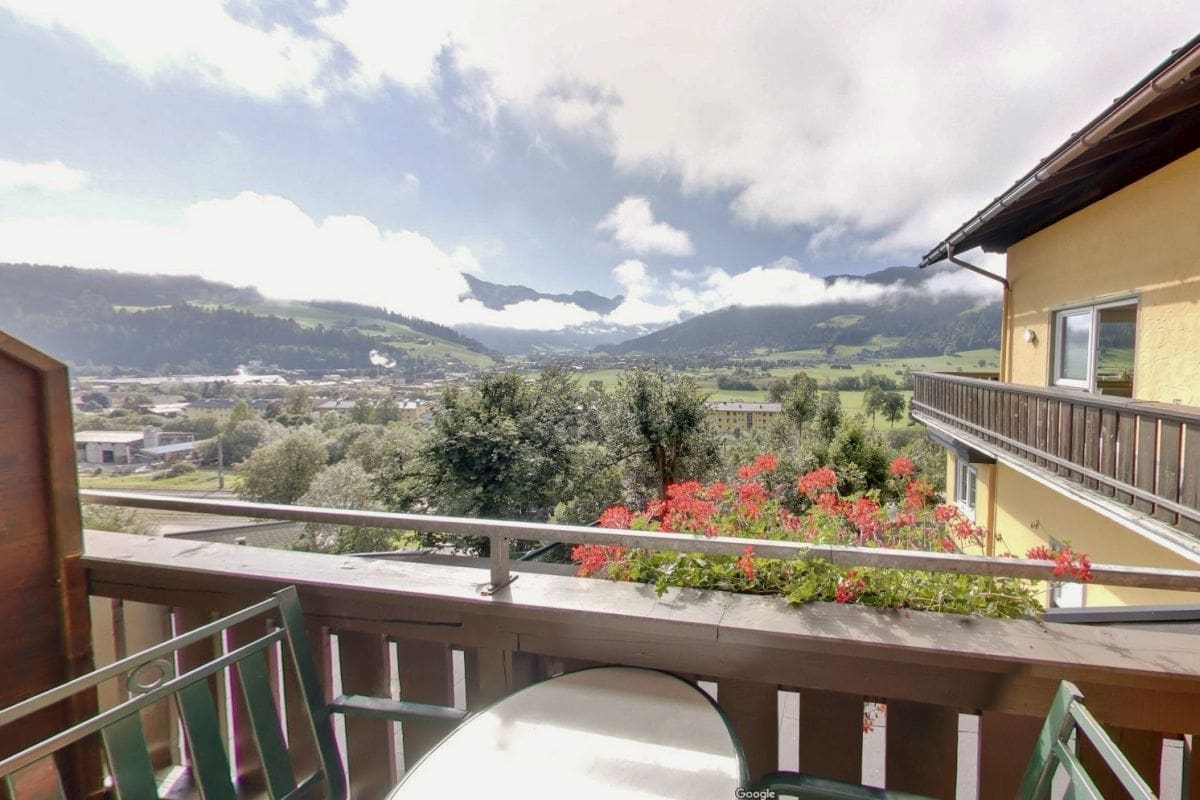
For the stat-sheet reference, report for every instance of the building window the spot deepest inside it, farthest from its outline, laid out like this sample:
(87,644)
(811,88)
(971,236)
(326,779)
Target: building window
(1093,347)
(964,488)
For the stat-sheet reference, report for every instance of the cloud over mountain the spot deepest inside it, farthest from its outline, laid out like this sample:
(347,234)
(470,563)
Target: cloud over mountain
(633,226)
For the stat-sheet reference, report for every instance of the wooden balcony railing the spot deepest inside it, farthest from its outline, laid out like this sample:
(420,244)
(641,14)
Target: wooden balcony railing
(414,630)
(1140,454)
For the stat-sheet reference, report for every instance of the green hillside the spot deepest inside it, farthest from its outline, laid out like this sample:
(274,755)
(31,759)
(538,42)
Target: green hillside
(160,323)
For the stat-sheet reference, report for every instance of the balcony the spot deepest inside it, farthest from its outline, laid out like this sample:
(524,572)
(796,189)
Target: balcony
(1129,455)
(964,696)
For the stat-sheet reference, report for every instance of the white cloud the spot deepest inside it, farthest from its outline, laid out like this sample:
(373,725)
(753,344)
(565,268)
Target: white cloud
(197,39)
(860,120)
(268,242)
(652,301)
(50,176)
(633,225)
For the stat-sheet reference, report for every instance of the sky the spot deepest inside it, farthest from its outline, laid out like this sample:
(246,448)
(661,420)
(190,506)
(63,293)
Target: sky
(687,155)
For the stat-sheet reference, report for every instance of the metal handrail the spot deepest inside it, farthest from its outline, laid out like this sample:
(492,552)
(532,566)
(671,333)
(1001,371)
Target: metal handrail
(501,532)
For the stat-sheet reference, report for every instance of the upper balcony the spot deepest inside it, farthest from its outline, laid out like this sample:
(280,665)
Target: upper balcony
(1137,461)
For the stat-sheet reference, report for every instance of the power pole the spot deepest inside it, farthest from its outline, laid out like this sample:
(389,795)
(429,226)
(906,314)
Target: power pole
(220,464)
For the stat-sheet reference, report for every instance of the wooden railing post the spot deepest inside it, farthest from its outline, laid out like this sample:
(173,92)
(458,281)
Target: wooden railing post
(365,667)
(753,709)
(1005,742)
(922,748)
(426,675)
(831,735)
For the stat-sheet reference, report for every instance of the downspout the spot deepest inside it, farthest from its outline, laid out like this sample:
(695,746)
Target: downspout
(1006,308)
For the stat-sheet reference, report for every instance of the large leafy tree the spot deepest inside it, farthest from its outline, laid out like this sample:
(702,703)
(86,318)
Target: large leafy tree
(507,448)
(662,419)
(344,485)
(281,471)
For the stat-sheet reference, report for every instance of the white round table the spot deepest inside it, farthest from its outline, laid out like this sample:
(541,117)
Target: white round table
(617,733)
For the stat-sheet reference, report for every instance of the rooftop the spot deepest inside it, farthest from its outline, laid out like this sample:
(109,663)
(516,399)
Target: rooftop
(1148,127)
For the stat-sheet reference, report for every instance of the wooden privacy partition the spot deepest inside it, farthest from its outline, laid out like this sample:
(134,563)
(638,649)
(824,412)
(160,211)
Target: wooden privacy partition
(45,631)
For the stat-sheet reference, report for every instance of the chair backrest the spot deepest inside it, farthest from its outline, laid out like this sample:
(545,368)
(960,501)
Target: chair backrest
(1069,716)
(152,677)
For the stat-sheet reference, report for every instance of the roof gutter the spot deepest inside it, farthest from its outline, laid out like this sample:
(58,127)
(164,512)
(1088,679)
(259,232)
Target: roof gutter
(1176,67)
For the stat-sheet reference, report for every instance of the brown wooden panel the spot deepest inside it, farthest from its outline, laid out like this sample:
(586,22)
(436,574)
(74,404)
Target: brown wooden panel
(1144,469)
(1078,438)
(488,672)
(364,662)
(1039,433)
(1064,435)
(426,675)
(1167,479)
(1052,433)
(44,620)
(1108,448)
(1142,748)
(1189,490)
(1191,766)
(1091,442)
(1005,742)
(753,709)
(922,748)
(831,735)
(1126,450)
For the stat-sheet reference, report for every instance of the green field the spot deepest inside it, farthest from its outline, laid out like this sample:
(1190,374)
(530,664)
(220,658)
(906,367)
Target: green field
(852,402)
(199,481)
(393,334)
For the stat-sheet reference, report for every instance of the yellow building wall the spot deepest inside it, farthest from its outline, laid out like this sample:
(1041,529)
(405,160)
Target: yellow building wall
(1144,239)
(1032,514)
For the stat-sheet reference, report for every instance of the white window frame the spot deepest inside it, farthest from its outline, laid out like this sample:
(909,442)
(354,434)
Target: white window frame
(1092,312)
(966,486)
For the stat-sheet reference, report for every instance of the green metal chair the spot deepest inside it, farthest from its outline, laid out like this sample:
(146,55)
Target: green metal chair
(1069,716)
(152,678)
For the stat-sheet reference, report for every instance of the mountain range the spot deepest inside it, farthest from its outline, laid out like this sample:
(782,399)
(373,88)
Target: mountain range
(159,322)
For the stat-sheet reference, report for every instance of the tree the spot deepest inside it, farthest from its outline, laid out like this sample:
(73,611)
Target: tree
(297,401)
(800,401)
(506,448)
(386,411)
(240,440)
(663,418)
(344,485)
(95,400)
(829,415)
(240,412)
(893,407)
(281,471)
(873,402)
